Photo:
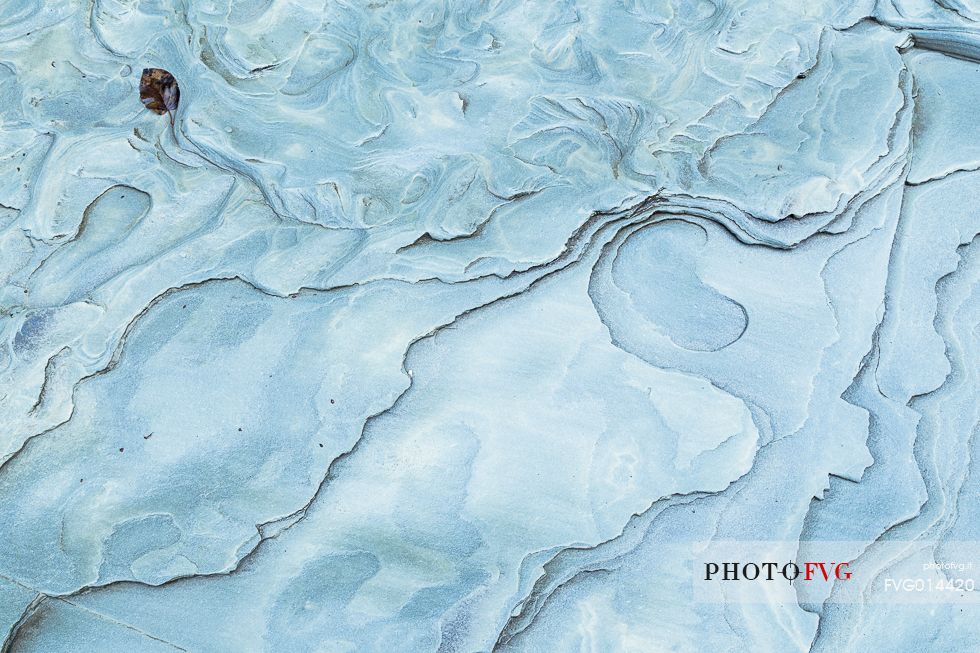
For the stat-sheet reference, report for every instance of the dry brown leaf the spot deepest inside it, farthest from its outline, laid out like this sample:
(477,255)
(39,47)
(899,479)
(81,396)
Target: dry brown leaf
(159,91)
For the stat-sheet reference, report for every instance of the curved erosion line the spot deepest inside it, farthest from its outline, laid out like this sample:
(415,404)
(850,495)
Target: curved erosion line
(958,43)
(540,595)
(596,222)
(923,452)
(650,209)
(25,617)
(565,261)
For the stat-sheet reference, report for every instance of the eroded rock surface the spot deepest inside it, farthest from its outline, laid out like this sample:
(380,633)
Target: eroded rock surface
(453,326)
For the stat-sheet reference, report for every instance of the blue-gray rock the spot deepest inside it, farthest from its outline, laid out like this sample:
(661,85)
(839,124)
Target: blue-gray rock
(456,327)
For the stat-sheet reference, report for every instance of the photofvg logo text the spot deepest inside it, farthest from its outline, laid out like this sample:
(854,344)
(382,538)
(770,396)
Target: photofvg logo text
(836,572)
(768,571)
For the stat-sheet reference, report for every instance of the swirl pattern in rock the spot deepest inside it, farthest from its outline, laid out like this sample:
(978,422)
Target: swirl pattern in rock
(436,327)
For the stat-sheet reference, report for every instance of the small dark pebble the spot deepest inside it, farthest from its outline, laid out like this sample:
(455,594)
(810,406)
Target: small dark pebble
(321,445)
(121,449)
(331,401)
(81,480)
(239,429)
